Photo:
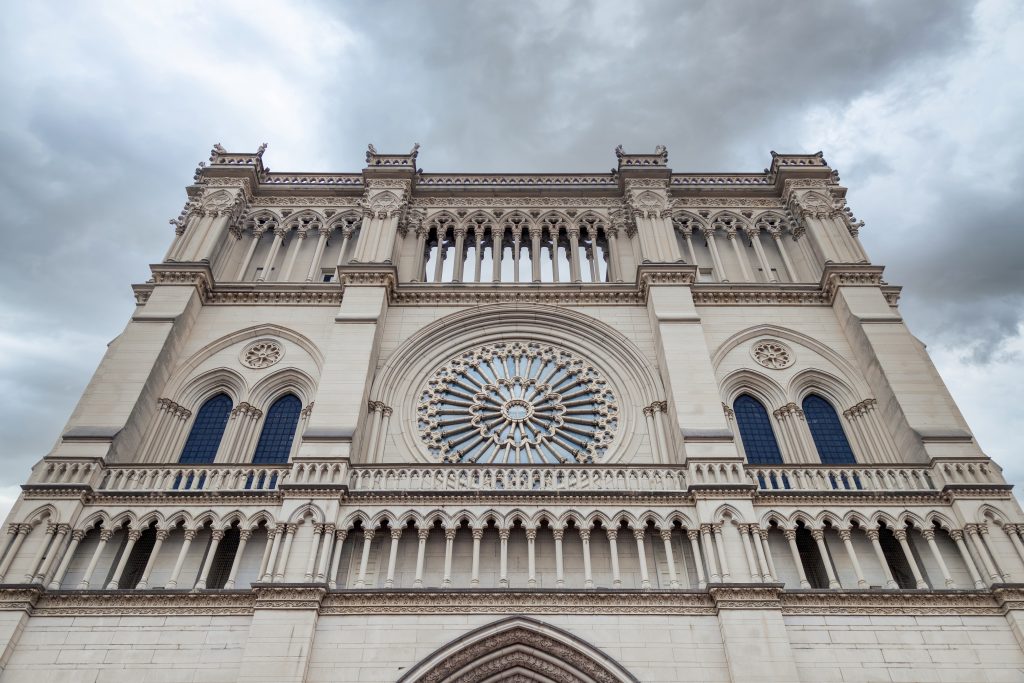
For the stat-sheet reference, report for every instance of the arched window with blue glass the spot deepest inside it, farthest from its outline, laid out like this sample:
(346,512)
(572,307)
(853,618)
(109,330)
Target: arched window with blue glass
(827,432)
(275,442)
(756,431)
(207,431)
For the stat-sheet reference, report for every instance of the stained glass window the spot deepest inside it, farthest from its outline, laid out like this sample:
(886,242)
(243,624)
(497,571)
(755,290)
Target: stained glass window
(829,438)
(207,431)
(756,431)
(275,442)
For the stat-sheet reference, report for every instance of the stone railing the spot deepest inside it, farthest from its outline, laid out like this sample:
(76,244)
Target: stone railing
(838,478)
(76,472)
(583,478)
(186,478)
(949,472)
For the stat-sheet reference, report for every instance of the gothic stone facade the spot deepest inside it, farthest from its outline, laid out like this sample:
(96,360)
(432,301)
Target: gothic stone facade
(403,426)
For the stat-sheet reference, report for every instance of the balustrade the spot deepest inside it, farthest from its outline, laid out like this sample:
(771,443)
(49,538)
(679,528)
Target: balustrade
(194,478)
(483,478)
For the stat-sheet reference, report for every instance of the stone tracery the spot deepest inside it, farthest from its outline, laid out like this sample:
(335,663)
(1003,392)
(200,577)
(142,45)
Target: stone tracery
(525,403)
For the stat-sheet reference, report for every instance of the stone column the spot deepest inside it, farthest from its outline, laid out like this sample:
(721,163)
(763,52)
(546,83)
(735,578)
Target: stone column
(531,549)
(449,543)
(790,535)
(105,535)
(972,537)
(269,551)
(76,538)
(845,535)
(666,537)
(281,566)
(396,534)
(326,550)
(929,536)
(731,235)
(460,257)
(754,234)
(335,568)
(314,265)
(314,548)
(503,578)
(161,536)
(279,233)
(216,536)
(890,582)
(958,538)
(18,532)
(762,560)
(133,537)
(497,234)
(613,552)
(365,559)
(722,560)
(588,578)
(236,562)
(709,553)
(791,273)
(474,581)
(559,565)
(55,550)
(574,255)
(34,563)
(763,533)
(748,552)
(709,235)
(614,267)
(1013,531)
(697,561)
(422,534)
(535,234)
(645,581)
(985,544)
(293,253)
(826,559)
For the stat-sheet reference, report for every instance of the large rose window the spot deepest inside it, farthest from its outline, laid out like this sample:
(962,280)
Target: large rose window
(517,403)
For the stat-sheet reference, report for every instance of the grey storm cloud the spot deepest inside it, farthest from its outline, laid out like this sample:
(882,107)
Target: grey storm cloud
(108,107)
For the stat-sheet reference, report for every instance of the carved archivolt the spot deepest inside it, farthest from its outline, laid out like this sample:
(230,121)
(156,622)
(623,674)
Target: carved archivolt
(517,403)
(518,649)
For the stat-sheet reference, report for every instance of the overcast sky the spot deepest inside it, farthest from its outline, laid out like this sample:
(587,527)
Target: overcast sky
(107,108)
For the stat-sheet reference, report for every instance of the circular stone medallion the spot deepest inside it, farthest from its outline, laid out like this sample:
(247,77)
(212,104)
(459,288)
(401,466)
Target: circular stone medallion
(262,354)
(772,354)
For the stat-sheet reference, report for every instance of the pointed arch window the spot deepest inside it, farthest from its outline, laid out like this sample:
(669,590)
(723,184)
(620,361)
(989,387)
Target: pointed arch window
(756,431)
(275,442)
(207,431)
(827,431)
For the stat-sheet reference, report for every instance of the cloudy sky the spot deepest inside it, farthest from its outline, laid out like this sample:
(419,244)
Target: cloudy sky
(108,107)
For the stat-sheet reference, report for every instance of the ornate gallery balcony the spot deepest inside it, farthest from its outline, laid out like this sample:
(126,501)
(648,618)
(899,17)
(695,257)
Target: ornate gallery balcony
(91,474)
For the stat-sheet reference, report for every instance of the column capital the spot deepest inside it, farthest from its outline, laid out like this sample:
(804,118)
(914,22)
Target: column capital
(818,534)
(504,533)
(217,534)
(162,534)
(341,534)
(79,534)
(559,534)
(639,533)
(423,533)
(612,534)
(584,534)
(244,534)
(872,534)
(449,533)
(134,534)
(929,534)
(692,534)
(744,528)
(666,534)
(956,534)
(790,534)
(396,533)
(291,528)
(845,534)
(105,534)
(368,534)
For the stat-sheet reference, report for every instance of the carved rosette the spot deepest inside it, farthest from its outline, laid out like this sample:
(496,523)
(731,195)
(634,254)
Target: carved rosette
(772,354)
(262,354)
(517,403)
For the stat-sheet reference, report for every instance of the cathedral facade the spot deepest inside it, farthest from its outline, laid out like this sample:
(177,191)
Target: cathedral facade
(404,426)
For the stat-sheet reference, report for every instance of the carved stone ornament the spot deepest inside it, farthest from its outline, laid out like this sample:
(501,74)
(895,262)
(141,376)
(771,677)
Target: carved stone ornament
(262,354)
(772,354)
(517,403)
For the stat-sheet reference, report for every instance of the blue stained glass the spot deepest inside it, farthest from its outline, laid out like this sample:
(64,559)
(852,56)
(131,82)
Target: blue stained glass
(278,431)
(756,431)
(827,431)
(207,431)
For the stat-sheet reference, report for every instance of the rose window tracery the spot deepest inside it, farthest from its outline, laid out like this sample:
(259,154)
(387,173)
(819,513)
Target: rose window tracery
(772,354)
(517,403)
(262,354)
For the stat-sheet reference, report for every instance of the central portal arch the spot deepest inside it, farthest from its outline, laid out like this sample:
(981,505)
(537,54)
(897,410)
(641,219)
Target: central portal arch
(518,650)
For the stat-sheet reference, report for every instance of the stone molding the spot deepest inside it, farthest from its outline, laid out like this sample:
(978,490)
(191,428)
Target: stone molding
(38,601)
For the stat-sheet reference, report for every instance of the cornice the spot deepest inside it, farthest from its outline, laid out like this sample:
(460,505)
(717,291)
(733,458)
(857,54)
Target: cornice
(708,602)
